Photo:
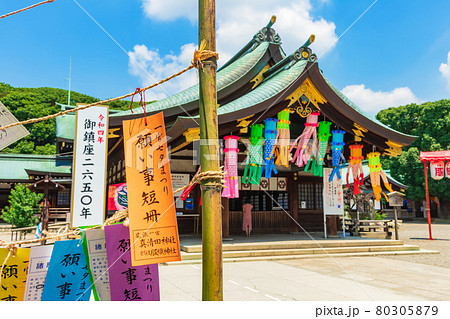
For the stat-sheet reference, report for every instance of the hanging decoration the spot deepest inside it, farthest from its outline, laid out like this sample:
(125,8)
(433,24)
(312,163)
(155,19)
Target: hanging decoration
(253,165)
(318,156)
(355,165)
(283,138)
(337,152)
(270,134)
(231,189)
(376,172)
(301,155)
(437,170)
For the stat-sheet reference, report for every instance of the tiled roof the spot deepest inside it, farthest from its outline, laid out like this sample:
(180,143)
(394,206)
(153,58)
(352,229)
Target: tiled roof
(14,166)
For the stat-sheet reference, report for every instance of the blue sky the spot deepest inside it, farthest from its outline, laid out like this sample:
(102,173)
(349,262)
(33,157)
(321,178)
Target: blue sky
(396,53)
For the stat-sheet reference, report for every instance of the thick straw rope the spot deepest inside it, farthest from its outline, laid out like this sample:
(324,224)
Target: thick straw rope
(24,9)
(119,215)
(199,55)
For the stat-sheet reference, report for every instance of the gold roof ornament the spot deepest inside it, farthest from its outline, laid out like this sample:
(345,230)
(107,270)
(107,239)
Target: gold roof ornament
(305,94)
(359,132)
(394,150)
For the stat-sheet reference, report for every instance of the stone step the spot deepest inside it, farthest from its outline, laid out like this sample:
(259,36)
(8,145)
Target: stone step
(297,244)
(308,251)
(334,255)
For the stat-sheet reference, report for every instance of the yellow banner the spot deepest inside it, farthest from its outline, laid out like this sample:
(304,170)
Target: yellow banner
(153,223)
(14,275)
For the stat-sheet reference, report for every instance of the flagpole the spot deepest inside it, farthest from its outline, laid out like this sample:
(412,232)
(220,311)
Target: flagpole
(212,275)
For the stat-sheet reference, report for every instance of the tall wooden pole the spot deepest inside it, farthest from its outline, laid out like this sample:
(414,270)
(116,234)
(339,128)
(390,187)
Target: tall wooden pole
(212,277)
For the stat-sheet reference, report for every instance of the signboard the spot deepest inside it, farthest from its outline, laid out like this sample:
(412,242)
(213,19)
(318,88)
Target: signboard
(14,274)
(333,199)
(37,272)
(117,196)
(128,282)
(89,168)
(151,209)
(178,181)
(69,280)
(13,134)
(333,196)
(437,170)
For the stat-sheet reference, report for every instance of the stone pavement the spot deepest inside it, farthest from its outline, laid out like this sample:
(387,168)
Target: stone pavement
(348,279)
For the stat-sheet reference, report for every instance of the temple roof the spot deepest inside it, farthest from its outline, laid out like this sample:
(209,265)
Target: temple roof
(257,83)
(15,167)
(279,90)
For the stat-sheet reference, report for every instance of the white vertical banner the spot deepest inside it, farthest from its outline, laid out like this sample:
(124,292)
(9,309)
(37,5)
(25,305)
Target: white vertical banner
(89,167)
(333,198)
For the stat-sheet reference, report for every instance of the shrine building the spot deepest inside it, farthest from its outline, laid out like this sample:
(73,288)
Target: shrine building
(256,84)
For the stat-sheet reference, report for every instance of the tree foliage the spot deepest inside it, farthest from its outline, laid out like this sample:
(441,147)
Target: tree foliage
(23,207)
(27,103)
(430,122)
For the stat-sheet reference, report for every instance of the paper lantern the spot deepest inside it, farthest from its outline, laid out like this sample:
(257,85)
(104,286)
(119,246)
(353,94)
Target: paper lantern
(447,169)
(231,187)
(253,165)
(376,174)
(270,134)
(317,158)
(337,152)
(283,139)
(301,156)
(437,170)
(356,167)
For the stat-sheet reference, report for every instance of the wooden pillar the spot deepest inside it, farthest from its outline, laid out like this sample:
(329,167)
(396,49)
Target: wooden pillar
(292,188)
(225,217)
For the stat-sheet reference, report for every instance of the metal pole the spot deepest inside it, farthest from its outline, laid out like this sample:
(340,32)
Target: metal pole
(212,275)
(70,79)
(428,198)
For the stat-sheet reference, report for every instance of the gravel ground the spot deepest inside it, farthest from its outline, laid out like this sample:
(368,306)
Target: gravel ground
(414,233)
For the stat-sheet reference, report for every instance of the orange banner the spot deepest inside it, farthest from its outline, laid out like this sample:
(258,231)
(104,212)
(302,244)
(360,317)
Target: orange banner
(153,223)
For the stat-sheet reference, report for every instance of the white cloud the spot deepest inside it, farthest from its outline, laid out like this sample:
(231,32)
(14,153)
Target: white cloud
(444,68)
(169,10)
(240,20)
(236,23)
(372,102)
(150,67)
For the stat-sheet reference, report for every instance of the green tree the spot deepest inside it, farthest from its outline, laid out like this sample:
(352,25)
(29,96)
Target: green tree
(23,206)
(430,122)
(27,103)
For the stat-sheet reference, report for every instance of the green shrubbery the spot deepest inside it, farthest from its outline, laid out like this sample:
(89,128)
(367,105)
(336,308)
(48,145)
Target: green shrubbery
(23,207)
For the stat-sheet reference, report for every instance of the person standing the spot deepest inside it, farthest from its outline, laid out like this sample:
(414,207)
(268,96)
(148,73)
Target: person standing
(247,218)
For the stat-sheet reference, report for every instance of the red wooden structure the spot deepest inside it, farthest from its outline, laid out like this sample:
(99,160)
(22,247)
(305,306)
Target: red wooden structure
(431,157)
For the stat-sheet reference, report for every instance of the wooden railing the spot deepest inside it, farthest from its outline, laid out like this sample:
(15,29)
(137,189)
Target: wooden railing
(21,233)
(58,214)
